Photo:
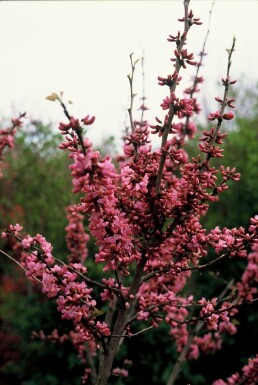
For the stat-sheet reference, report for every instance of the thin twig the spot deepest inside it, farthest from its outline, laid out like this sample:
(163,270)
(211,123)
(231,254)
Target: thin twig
(143,90)
(90,361)
(20,265)
(202,53)
(132,95)
(177,368)
(78,131)
(224,101)
(200,267)
(132,335)
(86,278)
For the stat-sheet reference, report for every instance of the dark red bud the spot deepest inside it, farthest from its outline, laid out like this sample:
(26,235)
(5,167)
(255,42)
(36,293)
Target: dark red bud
(228,115)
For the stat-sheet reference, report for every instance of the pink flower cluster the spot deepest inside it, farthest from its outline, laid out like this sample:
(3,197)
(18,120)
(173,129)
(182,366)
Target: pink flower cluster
(76,237)
(247,287)
(249,375)
(98,180)
(66,282)
(7,137)
(120,372)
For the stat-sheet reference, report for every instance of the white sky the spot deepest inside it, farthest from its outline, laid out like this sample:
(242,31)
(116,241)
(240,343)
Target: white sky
(83,48)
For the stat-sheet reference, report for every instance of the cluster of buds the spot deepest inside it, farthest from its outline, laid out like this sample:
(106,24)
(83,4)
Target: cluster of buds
(170,80)
(183,57)
(178,38)
(7,136)
(191,20)
(76,237)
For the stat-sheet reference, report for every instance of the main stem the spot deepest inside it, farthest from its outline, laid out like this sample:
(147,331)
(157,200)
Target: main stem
(119,328)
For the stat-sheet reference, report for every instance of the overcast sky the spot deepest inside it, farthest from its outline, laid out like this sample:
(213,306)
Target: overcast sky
(83,48)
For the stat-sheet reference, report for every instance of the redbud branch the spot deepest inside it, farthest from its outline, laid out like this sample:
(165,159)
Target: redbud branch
(227,288)
(147,309)
(137,277)
(224,101)
(86,278)
(180,361)
(203,317)
(19,264)
(90,361)
(182,356)
(94,331)
(199,267)
(202,52)
(178,305)
(186,5)
(208,264)
(219,258)
(242,381)
(65,109)
(131,335)
(119,283)
(199,64)
(78,131)
(132,95)
(171,112)
(234,306)
(143,88)
(110,312)
(16,123)
(80,137)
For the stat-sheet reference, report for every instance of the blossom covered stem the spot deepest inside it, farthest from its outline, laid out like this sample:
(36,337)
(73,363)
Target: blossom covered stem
(132,95)
(226,83)
(178,365)
(199,64)
(171,113)
(78,129)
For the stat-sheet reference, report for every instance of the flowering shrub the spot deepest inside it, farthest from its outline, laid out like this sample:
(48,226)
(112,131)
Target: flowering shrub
(144,213)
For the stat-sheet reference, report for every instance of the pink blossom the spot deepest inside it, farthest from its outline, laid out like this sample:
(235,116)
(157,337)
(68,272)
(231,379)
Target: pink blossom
(143,315)
(27,242)
(49,283)
(87,120)
(120,372)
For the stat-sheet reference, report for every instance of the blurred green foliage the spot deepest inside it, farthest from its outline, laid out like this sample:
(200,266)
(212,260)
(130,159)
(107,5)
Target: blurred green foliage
(37,186)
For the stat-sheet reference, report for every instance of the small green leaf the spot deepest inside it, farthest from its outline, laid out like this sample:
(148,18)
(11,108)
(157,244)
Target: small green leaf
(97,313)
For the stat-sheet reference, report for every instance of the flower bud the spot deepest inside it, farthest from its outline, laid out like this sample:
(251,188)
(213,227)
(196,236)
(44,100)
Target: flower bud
(228,115)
